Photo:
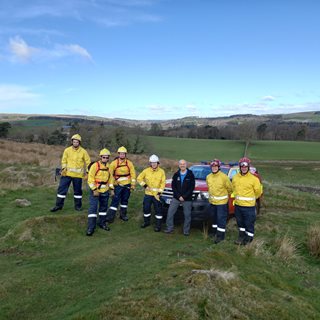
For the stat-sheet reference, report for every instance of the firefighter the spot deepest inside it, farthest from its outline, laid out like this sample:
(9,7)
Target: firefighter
(153,179)
(219,188)
(183,183)
(99,181)
(124,174)
(74,163)
(247,189)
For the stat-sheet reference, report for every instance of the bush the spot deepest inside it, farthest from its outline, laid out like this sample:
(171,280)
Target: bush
(287,249)
(313,240)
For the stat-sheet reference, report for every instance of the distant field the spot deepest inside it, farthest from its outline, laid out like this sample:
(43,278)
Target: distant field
(284,150)
(196,149)
(227,150)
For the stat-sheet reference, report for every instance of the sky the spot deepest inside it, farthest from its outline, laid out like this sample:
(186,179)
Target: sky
(159,59)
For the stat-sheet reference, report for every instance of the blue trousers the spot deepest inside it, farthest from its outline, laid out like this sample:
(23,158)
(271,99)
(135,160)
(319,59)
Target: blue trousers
(187,207)
(218,217)
(147,202)
(94,203)
(63,190)
(121,196)
(246,218)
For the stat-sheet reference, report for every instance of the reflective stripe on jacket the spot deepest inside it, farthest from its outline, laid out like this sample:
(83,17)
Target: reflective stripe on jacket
(154,179)
(246,189)
(219,188)
(99,177)
(75,161)
(123,171)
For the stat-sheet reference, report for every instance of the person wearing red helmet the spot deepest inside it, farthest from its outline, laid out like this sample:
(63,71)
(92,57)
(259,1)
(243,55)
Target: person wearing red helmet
(246,189)
(219,188)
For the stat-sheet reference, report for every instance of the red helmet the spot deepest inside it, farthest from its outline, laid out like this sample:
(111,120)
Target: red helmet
(244,162)
(215,162)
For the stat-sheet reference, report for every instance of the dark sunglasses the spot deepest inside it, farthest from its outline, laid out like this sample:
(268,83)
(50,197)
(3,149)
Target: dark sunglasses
(105,157)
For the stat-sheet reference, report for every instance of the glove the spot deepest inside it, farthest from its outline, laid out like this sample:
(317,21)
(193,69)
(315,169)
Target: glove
(145,186)
(63,172)
(96,193)
(111,192)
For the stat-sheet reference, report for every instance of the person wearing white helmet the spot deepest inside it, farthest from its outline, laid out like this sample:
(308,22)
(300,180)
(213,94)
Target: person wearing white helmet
(153,179)
(74,164)
(124,174)
(99,181)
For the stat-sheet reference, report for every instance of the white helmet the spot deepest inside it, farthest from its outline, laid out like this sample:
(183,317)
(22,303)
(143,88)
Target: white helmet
(154,158)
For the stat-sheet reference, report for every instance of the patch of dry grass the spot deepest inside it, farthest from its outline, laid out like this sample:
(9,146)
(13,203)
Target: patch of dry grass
(313,240)
(287,249)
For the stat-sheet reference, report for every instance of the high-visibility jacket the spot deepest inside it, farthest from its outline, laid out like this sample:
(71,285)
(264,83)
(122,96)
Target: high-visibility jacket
(123,172)
(155,179)
(219,187)
(246,189)
(75,161)
(99,177)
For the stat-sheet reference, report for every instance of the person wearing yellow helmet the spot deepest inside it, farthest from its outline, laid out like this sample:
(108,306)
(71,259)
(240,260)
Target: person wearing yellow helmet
(99,181)
(153,179)
(124,175)
(74,163)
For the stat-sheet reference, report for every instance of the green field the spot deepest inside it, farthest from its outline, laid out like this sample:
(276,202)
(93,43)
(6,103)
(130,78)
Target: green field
(196,149)
(226,150)
(51,270)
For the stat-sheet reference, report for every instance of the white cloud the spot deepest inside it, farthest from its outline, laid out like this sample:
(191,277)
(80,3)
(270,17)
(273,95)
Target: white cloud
(23,52)
(15,96)
(268,98)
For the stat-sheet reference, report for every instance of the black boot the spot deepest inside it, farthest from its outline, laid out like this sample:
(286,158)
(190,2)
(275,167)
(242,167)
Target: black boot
(78,204)
(123,215)
(89,232)
(59,205)
(157,228)
(219,237)
(241,238)
(104,227)
(247,239)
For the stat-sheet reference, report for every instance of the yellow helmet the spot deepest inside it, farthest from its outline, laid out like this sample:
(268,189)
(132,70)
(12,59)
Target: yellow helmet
(122,149)
(76,137)
(104,152)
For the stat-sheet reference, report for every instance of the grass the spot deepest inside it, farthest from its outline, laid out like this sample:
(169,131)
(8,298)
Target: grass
(284,150)
(195,150)
(54,271)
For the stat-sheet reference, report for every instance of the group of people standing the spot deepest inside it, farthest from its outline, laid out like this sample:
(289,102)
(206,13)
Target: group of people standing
(118,179)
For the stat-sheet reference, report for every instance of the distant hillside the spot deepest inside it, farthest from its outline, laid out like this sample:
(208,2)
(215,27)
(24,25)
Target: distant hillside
(305,117)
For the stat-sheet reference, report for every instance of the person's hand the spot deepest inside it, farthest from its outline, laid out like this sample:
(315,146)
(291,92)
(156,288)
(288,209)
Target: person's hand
(132,187)
(85,177)
(145,186)
(181,199)
(96,193)
(63,172)
(111,192)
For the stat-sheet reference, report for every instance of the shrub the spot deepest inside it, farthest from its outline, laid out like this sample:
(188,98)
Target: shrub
(313,240)
(287,249)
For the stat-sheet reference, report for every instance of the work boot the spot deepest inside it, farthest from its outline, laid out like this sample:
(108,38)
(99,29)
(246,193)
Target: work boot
(247,239)
(145,224)
(124,217)
(104,227)
(168,231)
(157,229)
(78,208)
(241,238)
(89,232)
(55,208)
(219,237)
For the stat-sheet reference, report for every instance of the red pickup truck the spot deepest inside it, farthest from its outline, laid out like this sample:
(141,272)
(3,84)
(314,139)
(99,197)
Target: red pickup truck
(200,194)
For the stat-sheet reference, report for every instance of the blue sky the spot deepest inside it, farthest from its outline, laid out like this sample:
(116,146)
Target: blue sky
(159,59)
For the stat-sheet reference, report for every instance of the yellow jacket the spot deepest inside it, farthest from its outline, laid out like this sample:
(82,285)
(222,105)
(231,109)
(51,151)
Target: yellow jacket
(219,187)
(123,172)
(154,179)
(99,177)
(246,189)
(75,162)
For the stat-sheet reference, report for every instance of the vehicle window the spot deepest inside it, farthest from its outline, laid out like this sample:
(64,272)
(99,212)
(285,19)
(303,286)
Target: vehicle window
(200,172)
(233,172)
(224,170)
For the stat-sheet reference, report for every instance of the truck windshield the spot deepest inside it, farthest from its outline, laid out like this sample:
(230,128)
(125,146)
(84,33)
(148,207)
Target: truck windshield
(200,172)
